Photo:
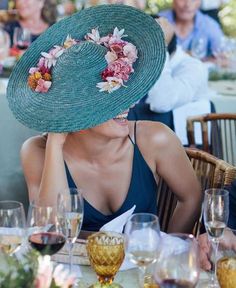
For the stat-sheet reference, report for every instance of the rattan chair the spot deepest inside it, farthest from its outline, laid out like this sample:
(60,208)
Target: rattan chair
(218,134)
(211,172)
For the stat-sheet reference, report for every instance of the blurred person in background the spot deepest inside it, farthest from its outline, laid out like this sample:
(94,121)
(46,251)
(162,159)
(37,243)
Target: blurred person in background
(191,26)
(35,16)
(181,91)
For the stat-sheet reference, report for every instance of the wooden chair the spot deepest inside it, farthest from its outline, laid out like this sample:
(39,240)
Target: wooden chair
(220,140)
(211,172)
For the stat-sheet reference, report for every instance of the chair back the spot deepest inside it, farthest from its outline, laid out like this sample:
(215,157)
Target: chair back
(211,173)
(218,134)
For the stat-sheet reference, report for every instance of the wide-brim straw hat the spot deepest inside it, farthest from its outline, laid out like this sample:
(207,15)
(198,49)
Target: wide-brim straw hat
(73,101)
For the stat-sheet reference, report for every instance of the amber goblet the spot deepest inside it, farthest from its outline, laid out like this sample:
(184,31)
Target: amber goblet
(106,254)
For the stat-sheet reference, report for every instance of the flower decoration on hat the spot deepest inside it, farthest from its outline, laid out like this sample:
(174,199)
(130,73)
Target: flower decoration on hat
(120,58)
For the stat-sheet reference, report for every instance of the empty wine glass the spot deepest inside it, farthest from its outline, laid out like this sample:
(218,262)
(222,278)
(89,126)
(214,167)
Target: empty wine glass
(143,239)
(47,233)
(106,254)
(216,213)
(199,48)
(21,38)
(12,226)
(71,208)
(177,265)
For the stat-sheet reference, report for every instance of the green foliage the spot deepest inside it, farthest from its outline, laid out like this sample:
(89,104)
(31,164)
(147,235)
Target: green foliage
(18,273)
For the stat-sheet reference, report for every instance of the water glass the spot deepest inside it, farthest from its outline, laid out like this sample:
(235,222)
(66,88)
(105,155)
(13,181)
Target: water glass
(12,226)
(177,264)
(143,241)
(199,48)
(216,213)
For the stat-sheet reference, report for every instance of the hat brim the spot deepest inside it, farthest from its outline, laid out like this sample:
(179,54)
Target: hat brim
(78,104)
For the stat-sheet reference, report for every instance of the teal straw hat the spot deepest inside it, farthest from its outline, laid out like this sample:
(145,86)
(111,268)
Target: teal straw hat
(73,101)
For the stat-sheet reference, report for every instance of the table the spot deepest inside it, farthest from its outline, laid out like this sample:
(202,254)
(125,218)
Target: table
(128,278)
(225,97)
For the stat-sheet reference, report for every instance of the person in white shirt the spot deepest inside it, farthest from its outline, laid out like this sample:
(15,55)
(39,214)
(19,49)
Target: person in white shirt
(182,88)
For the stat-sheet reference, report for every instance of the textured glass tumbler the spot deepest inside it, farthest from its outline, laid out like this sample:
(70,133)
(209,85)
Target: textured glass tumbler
(106,254)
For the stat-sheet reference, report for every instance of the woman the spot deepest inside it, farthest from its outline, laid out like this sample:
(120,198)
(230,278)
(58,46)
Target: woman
(115,162)
(35,16)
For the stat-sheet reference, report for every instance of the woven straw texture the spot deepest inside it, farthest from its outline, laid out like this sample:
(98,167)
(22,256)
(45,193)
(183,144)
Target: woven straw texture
(74,102)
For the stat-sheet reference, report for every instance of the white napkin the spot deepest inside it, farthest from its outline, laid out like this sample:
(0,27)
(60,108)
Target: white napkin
(172,245)
(117,224)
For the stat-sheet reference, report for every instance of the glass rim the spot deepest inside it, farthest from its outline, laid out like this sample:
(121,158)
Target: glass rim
(2,202)
(224,191)
(120,235)
(155,218)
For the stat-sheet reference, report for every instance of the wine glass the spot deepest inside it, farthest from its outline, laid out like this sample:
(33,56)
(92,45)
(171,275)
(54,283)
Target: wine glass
(143,239)
(177,264)
(71,209)
(106,254)
(199,48)
(216,213)
(21,38)
(12,226)
(47,233)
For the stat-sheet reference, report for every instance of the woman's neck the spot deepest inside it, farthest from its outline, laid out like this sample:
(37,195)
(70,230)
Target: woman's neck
(35,25)
(95,148)
(184,27)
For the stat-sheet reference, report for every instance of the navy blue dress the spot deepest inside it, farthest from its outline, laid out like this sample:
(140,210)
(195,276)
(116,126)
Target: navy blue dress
(142,193)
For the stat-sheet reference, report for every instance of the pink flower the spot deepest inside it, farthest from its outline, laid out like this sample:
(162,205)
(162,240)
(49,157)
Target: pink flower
(44,273)
(130,52)
(111,57)
(94,36)
(41,62)
(62,277)
(33,70)
(43,86)
(121,69)
(69,42)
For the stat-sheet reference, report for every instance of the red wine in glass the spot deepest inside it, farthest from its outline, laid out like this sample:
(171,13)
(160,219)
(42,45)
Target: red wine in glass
(47,243)
(22,45)
(173,283)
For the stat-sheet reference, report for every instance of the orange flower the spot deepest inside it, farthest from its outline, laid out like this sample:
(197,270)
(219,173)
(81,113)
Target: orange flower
(37,75)
(32,82)
(47,77)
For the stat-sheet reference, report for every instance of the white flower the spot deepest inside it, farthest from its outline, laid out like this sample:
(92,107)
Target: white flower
(51,57)
(69,42)
(110,85)
(111,57)
(94,36)
(118,34)
(44,273)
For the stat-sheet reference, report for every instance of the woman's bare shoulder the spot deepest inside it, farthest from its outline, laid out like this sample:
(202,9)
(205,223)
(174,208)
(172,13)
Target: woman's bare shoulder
(34,144)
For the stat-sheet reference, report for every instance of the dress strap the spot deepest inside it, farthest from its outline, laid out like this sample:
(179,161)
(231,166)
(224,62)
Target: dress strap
(133,142)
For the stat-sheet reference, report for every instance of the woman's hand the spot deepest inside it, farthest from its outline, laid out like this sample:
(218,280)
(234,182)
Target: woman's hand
(205,251)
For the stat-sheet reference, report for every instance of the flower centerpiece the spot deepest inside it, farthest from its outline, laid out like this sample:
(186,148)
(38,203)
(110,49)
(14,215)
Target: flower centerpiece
(33,271)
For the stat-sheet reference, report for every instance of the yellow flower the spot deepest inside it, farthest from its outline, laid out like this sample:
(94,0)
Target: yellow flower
(37,75)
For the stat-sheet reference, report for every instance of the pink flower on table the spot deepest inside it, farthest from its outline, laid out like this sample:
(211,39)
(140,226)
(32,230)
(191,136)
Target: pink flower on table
(43,86)
(51,57)
(44,273)
(63,278)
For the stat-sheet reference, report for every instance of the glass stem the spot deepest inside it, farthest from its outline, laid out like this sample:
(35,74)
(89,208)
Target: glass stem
(142,273)
(215,245)
(70,254)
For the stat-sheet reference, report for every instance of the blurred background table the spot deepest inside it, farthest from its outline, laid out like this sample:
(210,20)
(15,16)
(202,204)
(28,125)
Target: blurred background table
(225,99)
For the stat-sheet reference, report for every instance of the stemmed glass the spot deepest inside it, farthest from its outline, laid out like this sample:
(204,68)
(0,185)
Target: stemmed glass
(47,232)
(21,38)
(106,254)
(71,209)
(216,213)
(12,226)
(143,239)
(199,48)
(177,264)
